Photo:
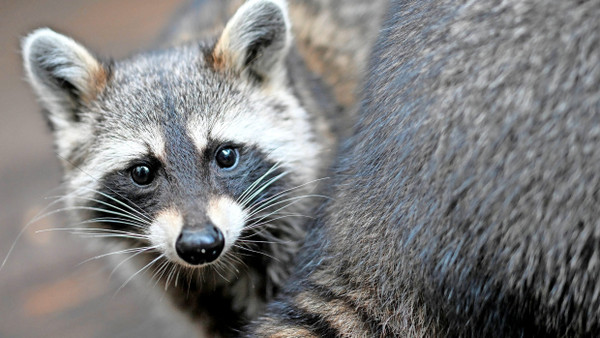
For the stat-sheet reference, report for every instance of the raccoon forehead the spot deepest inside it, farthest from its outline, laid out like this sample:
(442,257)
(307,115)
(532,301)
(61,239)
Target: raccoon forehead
(146,89)
(173,59)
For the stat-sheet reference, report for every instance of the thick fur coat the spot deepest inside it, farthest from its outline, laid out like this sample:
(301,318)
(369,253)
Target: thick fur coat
(467,201)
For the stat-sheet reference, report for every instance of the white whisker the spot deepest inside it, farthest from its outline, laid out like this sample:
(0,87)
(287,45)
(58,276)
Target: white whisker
(124,213)
(294,200)
(284,193)
(138,272)
(170,275)
(262,188)
(140,212)
(255,183)
(241,247)
(146,249)
(260,223)
(42,214)
(125,251)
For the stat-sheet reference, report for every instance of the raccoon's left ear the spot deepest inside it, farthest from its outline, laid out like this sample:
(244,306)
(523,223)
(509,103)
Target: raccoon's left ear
(63,73)
(255,41)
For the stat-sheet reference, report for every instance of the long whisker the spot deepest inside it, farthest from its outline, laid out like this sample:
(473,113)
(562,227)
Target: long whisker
(216,268)
(262,188)
(294,200)
(96,209)
(241,247)
(139,271)
(284,193)
(98,233)
(101,235)
(113,220)
(255,183)
(125,251)
(169,276)
(160,272)
(124,212)
(263,242)
(102,220)
(146,249)
(43,213)
(259,223)
(140,212)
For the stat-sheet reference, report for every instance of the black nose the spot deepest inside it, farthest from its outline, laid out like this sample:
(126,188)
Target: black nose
(200,245)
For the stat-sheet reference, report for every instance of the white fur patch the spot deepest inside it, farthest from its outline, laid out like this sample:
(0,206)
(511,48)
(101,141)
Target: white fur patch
(164,232)
(227,216)
(197,130)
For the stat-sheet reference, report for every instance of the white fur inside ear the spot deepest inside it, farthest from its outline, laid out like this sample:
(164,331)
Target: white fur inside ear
(59,68)
(256,38)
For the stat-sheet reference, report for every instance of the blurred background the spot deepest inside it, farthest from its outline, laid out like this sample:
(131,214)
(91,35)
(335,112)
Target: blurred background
(44,290)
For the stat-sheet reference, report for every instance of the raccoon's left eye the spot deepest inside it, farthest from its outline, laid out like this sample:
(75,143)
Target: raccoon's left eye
(227,157)
(142,174)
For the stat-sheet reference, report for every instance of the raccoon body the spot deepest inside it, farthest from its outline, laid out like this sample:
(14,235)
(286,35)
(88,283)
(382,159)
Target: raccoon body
(466,202)
(199,159)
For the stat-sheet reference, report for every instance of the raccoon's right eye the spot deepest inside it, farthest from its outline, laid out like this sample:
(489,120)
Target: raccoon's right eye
(142,174)
(227,157)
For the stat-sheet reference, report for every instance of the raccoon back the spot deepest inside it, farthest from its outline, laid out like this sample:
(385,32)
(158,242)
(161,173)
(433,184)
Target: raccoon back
(467,200)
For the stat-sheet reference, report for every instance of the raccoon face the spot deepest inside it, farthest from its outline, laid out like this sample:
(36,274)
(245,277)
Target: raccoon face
(186,152)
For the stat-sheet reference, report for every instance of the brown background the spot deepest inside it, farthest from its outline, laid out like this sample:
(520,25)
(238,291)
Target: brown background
(44,291)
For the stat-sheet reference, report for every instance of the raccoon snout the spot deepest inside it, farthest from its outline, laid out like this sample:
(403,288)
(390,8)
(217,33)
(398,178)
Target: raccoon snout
(200,245)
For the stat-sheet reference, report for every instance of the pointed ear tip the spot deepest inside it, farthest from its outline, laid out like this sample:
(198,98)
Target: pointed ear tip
(281,4)
(40,35)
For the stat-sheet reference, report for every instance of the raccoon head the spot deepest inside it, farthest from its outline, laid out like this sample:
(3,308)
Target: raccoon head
(186,152)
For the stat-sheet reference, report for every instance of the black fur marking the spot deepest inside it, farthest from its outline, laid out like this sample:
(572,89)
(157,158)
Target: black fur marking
(202,302)
(120,186)
(311,321)
(375,326)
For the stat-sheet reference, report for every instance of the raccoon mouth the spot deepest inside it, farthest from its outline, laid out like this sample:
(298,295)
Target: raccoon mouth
(201,245)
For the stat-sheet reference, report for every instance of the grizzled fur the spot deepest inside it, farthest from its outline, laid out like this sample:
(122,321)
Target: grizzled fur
(334,38)
(171,110)
(467,201)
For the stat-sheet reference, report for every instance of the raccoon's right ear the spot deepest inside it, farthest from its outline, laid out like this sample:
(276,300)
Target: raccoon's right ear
(63,74)
(255,41)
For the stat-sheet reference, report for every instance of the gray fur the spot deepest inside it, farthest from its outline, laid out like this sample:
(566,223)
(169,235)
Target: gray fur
(466,202)
(172,109)
(333,37)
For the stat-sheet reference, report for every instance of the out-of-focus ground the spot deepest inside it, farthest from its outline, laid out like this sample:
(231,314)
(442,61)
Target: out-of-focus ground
(44,291)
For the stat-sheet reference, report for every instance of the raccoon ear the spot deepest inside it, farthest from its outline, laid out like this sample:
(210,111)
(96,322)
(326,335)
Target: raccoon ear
(255,40)
(63,74)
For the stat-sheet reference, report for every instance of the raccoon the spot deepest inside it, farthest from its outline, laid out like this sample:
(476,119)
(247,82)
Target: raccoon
(197,160)
(466,202)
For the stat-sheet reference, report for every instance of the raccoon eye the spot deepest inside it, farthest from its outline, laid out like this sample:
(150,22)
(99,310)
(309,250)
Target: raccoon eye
(142,174)
(227,157)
